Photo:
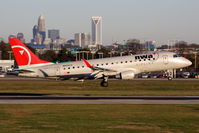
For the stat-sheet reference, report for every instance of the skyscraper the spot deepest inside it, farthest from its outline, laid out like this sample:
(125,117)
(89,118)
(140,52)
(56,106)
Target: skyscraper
(86,39)
(41,27)
(96,23)
(53,34)
(39,31)
(20,36)
(82,39)
(78,40)
(35,30)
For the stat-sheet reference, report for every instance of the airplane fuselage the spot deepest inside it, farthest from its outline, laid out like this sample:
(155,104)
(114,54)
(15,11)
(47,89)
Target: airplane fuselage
(126,65)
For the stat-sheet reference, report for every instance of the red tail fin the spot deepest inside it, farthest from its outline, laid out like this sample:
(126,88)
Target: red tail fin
(23,55)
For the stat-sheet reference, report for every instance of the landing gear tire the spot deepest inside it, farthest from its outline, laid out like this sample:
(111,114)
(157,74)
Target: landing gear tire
(169,78)
(104,84)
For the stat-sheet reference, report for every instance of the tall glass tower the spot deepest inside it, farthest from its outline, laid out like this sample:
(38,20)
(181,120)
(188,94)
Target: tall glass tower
(41,27)
(34,30)
(96,23)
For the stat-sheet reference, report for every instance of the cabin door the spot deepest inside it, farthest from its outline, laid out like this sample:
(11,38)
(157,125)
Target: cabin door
(165,59)
(57,70)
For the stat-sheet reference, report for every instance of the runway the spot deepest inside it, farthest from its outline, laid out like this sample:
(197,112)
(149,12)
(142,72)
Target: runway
(99,99)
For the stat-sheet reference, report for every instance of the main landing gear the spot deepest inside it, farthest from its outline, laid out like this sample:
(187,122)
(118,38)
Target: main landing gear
(169,74)
(169,78)
(104,82)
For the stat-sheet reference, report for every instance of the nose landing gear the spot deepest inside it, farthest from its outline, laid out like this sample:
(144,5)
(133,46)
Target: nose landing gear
(104,82)
(170,74)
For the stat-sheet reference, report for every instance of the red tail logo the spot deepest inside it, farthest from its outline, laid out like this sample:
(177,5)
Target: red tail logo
(23,55)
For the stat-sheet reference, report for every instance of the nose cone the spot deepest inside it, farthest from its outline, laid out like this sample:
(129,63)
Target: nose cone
(188,62)
(182,62)
(185,62)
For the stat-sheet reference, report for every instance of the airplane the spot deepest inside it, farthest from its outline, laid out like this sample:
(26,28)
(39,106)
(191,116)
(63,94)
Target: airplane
(123,67)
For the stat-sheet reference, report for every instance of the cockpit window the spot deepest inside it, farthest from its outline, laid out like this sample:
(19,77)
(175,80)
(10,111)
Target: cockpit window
(176,55)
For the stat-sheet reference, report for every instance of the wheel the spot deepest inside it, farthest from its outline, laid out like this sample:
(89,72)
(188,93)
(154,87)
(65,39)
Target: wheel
(104,84)
(169,78)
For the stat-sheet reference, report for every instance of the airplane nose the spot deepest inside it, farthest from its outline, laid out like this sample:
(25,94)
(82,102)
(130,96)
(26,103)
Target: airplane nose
(187,62)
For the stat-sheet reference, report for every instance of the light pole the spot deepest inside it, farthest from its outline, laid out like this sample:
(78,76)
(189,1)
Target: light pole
(10,55)
(195,60)
(110,53)
(121,53)
(100,53)
(0,55)
(92,52)
(76,55)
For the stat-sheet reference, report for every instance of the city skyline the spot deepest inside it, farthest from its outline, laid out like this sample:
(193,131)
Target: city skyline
(157,20)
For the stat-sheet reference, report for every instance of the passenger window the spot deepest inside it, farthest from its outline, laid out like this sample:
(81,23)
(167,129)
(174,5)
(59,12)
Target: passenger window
(126,61)
(176,55)
(106,63)
(68,67)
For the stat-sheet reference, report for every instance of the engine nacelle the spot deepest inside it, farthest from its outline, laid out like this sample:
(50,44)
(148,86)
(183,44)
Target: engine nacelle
(126,75)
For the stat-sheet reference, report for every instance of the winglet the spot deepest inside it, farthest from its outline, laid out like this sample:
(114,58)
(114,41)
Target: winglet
(87,64)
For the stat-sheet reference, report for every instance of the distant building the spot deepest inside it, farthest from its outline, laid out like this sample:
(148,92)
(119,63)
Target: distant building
(39,31)
(85,39)
(78,39)
(20,36)
(96,23)
(12,36)
(150,45)
(41,27)
(53,34)
(40,48)
(58,44)
(47,41)
(60,41)
(35,30)
(38,39)
(82,39)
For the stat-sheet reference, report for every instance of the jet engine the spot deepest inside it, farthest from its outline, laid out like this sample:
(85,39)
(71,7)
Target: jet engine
(125,75)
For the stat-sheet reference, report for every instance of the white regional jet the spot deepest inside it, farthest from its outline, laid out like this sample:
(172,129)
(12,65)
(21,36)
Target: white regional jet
(124,67)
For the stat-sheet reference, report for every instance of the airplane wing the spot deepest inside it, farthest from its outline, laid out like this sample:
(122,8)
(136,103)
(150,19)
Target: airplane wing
(99,72)
(94,68)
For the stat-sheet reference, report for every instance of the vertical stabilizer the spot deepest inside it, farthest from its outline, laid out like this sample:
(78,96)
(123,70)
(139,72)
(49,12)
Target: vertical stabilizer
(23,55)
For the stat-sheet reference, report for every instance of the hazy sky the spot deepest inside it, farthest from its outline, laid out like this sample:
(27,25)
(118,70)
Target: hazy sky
(158,20)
